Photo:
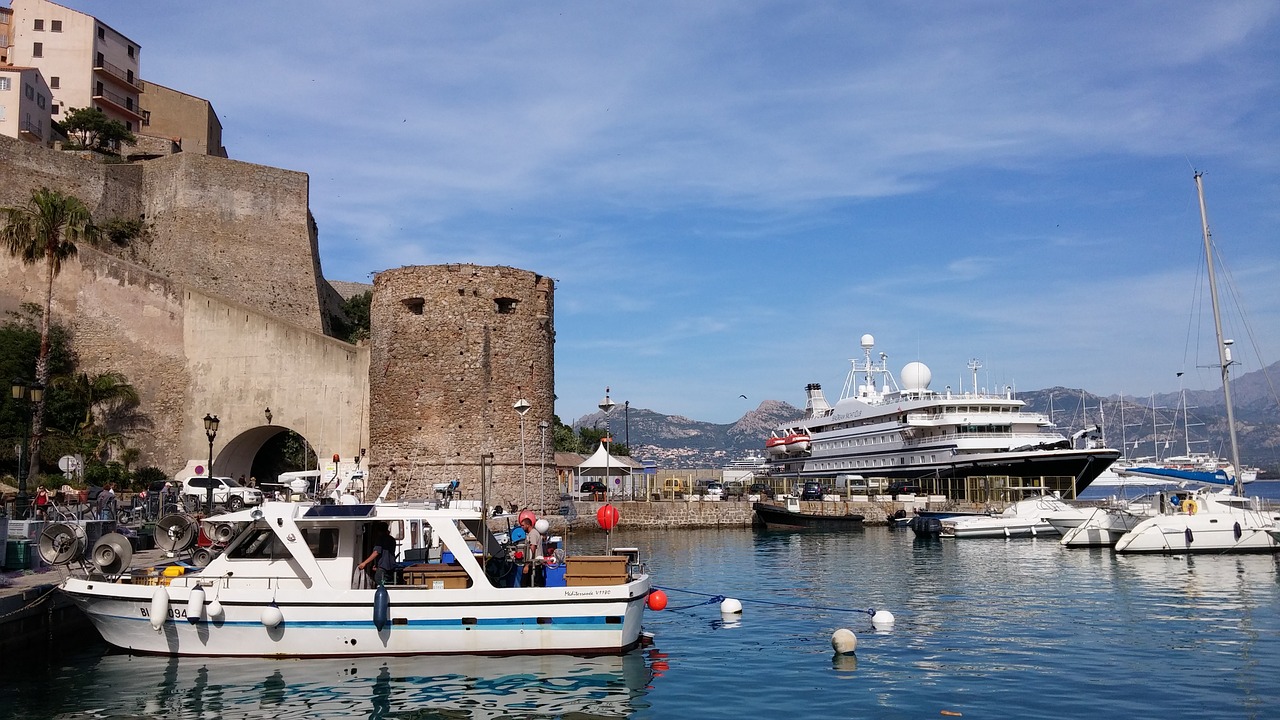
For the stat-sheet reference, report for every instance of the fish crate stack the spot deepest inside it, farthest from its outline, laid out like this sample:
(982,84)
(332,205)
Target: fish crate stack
(596,570)
(438,576)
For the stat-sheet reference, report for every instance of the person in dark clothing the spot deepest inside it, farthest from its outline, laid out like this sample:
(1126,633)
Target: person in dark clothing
(383,557)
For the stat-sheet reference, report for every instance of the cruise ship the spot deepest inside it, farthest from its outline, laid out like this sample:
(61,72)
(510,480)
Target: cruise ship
(935,440)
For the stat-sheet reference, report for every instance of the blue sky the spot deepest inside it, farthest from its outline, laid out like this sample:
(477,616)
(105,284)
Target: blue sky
(729,194)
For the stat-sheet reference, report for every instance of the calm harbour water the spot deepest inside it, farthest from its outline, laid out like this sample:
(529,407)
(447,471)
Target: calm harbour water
(985,628)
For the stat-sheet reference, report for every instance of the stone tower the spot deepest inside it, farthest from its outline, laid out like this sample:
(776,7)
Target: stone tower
(454,347)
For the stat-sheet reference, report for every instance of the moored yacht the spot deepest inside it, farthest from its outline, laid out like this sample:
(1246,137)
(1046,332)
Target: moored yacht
(878,428)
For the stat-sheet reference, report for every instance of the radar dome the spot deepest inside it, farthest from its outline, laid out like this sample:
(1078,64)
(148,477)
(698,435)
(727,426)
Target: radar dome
(916,377)
(868,342)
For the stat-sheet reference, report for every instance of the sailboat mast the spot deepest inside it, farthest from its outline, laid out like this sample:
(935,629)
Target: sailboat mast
(1224,353)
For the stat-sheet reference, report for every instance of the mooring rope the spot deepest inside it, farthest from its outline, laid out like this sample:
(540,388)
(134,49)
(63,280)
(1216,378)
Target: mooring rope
(31,604)
(711,598)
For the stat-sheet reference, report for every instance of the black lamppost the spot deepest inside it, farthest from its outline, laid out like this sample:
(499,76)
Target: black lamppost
(33,394)
(211,432)
(626,416)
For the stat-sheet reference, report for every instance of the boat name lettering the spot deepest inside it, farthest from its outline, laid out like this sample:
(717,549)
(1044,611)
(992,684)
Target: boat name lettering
(585,593)
(173,613)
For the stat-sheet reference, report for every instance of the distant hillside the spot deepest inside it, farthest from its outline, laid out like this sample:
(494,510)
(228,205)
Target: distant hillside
(674,441)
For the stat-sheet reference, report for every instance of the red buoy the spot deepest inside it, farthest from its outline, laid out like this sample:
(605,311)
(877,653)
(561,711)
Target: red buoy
(607,516)
(657,600)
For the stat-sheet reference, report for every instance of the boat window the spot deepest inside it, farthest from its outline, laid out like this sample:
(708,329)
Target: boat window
(323,542)
(259,544)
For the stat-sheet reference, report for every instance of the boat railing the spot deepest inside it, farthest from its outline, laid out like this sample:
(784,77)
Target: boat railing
(1021,438)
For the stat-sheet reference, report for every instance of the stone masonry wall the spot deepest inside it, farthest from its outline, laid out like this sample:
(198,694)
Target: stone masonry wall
(453,348)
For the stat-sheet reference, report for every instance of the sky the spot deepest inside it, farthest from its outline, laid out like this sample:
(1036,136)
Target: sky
(729,195)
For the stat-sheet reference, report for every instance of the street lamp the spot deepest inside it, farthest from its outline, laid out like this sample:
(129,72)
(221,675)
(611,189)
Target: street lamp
(522,406)
(605,406)
(542,428)
(211,432)
(34,395)
(626,415)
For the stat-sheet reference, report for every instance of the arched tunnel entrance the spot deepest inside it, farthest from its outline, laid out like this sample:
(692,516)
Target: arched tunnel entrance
(263,452)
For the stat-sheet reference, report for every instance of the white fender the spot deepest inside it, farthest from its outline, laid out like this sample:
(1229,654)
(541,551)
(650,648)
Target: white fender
(215,609)
(159,606)
(271,615)
(195,604)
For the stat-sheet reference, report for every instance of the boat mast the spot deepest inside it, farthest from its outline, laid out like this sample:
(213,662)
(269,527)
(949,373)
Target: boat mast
(1224,350)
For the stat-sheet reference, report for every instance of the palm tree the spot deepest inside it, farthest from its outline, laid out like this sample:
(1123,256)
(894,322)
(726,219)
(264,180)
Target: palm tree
(109,402)
(46,229)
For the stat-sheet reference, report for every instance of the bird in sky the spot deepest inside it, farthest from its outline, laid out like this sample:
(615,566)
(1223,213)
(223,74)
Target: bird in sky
(744,397)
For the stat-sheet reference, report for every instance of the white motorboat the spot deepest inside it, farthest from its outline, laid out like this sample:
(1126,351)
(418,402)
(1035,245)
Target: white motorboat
(286,584)
(1203,521)
(912,433)
(1024,518)
(1104,525)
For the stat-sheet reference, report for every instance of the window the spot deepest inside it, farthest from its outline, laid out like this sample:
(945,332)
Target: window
(54,110)
(29,91)
(37,50)
(37,25)
(102,34)
(130,51)
(55,25)
(505,306)
(40,101)
(55,82)
(4,83)
(2,110)
(100,61)
(415,305)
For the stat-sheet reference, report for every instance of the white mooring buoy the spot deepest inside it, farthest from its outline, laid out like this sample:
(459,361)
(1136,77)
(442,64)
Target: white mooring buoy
(844,642)
(882,619)
(730,606)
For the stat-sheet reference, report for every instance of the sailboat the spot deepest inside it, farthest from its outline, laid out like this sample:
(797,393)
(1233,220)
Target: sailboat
(1201,521)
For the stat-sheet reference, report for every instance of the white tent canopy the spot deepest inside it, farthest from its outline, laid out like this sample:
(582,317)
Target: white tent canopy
(601,463)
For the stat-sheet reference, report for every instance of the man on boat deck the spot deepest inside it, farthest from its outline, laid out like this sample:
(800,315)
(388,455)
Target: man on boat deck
(533,550)
(384,554)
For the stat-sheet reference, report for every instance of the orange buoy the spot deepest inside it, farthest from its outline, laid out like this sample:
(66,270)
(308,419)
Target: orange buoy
(607,516)
(657,600)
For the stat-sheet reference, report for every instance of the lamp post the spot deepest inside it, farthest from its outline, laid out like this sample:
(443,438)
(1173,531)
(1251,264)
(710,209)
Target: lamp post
(605,406)
(542,429)
(626,419)
(33,394)
(211,432)
(522,406)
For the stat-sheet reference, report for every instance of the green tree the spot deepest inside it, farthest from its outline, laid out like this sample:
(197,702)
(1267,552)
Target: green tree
(352,322)
(46,230)
(92,129)
(110,407)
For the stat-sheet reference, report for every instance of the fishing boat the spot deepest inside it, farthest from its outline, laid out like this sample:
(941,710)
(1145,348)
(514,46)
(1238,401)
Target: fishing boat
(285,583)
(1205,522)
(791,516)
(1024,518)
(910,432)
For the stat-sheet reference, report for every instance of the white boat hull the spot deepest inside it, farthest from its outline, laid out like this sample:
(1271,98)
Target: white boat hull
(1242,531)
(598,619)
(1102,529)
(1009,529)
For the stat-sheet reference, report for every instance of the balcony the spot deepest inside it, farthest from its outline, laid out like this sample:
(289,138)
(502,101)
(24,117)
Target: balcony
(122,105)
(32,130)
(117,75)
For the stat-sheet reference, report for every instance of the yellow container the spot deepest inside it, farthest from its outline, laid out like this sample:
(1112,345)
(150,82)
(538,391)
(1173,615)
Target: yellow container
(173,571)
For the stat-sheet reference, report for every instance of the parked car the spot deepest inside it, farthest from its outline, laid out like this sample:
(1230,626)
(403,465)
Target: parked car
(761,489)
(812,490)
(595,488)
(734,489)
(714,490)
(903,488)
(226,491)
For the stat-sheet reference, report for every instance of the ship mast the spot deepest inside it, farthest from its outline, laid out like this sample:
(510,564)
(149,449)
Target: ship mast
(1224,345)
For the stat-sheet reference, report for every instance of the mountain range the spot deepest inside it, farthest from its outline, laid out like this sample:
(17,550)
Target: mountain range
(1163,424)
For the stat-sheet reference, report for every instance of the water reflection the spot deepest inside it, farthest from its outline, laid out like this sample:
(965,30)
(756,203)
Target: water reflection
(454,687)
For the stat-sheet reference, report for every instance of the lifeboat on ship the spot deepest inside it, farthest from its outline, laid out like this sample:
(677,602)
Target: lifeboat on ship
(797,443)
(776,445)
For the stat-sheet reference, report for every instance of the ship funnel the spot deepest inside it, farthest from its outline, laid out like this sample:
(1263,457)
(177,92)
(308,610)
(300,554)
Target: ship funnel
(815,402)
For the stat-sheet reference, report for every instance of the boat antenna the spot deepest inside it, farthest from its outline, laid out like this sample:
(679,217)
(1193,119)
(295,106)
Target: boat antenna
(974,365)
(1224,345)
